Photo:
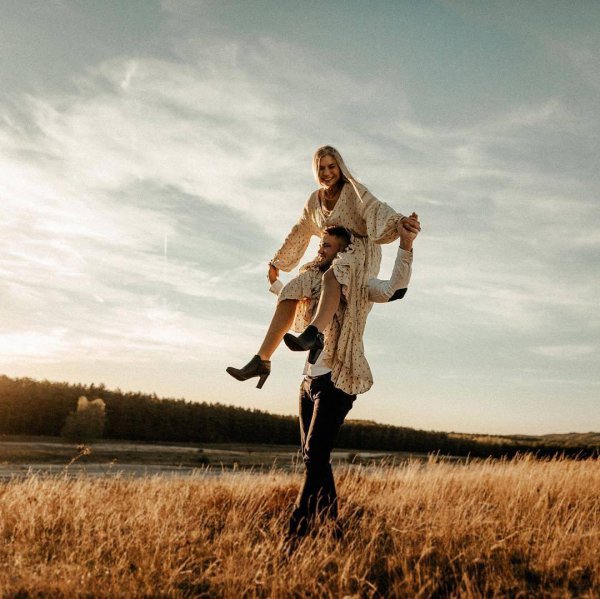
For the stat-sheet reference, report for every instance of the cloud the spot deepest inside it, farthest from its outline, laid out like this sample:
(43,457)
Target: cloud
(28,345)
(197,135)
(565,352)
(142,207)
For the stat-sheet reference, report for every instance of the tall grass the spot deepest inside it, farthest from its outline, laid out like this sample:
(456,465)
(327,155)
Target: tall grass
(518,528)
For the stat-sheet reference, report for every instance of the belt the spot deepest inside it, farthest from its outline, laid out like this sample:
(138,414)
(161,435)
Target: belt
(308,377)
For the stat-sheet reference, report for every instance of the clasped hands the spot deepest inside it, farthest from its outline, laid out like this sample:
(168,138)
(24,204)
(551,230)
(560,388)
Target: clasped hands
(410,223)
(408,228)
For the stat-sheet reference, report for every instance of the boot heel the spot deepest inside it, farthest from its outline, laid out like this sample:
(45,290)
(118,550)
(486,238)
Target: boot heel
(261,380)
(256,367)
(313,354)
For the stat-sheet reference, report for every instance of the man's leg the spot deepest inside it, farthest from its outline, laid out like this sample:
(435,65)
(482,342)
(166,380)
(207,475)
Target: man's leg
(299,519)
(327,413)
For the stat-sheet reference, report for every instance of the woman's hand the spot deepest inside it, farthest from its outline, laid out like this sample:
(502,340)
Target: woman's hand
(272,274)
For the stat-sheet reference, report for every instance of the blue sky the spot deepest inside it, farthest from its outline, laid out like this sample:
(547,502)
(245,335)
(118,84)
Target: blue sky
(155,154)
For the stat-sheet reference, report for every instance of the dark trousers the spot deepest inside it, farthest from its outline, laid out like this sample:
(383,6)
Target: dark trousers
(323,408)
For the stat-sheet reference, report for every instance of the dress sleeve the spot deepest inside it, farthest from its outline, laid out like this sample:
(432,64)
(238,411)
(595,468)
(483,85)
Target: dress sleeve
(289,254)
(381,220)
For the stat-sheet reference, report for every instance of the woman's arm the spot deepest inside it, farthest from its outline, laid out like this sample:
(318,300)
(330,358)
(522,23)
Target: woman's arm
(289,254)
(380,219)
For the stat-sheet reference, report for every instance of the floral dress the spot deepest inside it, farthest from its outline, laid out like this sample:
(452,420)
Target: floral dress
(371,222)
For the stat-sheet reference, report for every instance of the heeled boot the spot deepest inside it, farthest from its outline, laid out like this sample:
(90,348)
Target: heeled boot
(256,367)
(310,340)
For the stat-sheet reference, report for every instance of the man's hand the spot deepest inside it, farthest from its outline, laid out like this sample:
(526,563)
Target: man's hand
(408,228)
(273,274)
(411,223)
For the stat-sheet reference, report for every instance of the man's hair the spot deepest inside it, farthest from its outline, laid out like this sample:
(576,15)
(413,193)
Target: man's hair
(341,233)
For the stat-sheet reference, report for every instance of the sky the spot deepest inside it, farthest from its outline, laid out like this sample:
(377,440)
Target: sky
(154,155)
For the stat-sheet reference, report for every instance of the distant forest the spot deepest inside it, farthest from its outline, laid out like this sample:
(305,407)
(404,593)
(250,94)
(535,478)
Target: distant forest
(29,407)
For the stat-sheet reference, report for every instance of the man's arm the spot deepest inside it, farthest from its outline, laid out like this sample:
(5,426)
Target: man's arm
(381,291)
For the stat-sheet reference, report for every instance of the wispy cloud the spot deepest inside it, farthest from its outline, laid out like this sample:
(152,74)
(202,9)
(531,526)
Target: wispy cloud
(181,126)
(77,233)
(142,204)
(565,352)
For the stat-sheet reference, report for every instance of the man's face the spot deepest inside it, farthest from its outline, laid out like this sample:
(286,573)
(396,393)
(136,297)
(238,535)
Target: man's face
(328,250)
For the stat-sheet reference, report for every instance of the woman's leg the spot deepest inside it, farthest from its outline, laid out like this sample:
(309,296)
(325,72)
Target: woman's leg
(280,324)
(331,293)
(260,364)
(312,338)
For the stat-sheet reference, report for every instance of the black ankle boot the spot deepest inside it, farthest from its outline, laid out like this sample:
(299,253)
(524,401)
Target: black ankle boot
(256,367)
(310,339)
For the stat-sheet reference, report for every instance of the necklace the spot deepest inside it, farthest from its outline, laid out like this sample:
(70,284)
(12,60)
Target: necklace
(326,201)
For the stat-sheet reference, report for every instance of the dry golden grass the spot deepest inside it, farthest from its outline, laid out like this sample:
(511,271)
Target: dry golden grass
(520,528)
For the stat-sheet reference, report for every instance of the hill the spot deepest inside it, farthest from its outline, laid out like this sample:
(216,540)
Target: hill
(30,407)
(579,440)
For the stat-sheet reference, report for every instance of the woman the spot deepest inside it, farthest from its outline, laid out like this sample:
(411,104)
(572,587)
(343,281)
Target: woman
(340,201)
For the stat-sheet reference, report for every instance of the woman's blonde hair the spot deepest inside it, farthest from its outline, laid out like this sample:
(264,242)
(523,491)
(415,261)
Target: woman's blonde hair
(345,172)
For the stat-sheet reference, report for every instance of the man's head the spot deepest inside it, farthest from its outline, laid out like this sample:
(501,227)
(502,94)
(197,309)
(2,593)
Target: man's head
(334,240)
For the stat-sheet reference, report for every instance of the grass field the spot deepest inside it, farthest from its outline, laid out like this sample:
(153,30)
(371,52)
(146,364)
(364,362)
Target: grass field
(519,528)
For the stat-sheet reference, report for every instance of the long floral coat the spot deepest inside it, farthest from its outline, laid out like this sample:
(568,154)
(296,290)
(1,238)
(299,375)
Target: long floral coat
(371,223)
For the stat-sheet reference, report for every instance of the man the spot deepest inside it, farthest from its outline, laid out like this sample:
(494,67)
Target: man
(323,407)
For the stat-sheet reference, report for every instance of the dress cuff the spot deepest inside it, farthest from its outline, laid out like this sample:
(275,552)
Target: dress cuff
(276,287)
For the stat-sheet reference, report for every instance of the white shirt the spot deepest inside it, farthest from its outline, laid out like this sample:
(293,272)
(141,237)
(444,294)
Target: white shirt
(380,291)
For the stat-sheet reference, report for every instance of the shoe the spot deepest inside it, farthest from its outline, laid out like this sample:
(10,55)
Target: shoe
(256,367)
(310,340)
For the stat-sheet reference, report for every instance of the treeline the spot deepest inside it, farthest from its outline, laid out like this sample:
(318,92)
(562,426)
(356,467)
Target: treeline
(29,407)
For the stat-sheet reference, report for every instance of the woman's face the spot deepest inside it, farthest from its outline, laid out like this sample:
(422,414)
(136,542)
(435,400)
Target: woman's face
(329,171)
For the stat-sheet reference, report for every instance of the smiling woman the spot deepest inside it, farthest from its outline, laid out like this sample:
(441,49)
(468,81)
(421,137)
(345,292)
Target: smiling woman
(342,309)
(331,176)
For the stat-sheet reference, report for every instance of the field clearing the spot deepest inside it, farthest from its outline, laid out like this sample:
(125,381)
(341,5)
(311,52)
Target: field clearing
(19,455)
(518,528)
